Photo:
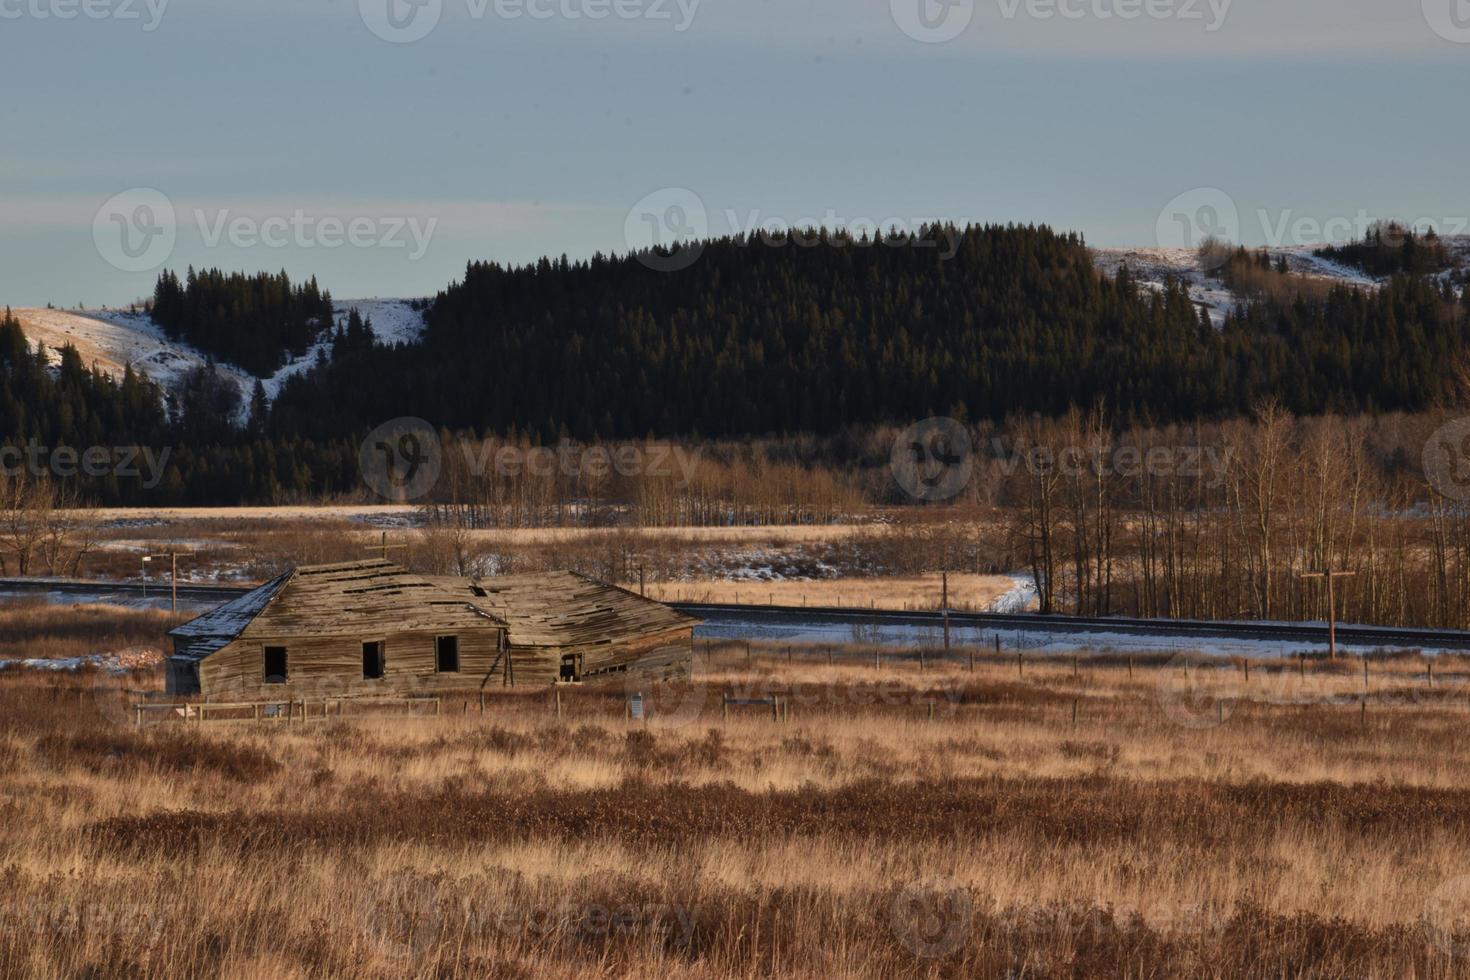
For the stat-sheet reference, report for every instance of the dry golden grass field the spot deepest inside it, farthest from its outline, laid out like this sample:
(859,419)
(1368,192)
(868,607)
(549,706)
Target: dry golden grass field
(1032,817)
(966,592)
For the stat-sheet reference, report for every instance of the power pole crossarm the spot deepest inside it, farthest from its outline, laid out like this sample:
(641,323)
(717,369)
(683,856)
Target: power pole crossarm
(384,547)
(173,573)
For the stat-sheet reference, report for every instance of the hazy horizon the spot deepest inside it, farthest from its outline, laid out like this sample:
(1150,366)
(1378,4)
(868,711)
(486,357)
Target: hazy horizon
(323,139)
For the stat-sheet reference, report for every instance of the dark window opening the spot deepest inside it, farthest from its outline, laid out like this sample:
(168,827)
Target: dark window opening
(571,667)
(372,661)
(275,665)
(446,654)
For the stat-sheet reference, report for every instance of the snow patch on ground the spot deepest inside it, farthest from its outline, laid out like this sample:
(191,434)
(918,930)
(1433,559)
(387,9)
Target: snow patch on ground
(112,663)
(1038,640)
(1021,597)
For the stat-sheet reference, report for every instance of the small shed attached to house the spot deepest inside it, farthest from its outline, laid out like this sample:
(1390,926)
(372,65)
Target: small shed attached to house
(372,628)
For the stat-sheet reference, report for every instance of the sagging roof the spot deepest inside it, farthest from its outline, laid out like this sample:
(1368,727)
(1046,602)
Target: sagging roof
(565,609)
(363,598)
(359,598)
(200,637)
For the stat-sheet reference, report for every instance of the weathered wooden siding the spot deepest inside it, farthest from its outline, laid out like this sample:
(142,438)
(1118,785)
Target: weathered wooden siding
(664,655)
(332,665)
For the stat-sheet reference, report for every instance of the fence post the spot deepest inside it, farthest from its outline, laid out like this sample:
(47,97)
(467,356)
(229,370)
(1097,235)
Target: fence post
(558,702)
(438,707)
(724,707)
(138,716)
(1074,712)
(775,709)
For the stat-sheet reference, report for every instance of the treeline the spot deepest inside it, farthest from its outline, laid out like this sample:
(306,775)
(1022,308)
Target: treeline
(1221,521)
(1391,249)
(67,404)
(253,321)
(757,336)
(766,337)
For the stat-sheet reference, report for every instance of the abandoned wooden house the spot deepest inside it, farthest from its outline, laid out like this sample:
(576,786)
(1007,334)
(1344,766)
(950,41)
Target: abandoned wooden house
(368,628)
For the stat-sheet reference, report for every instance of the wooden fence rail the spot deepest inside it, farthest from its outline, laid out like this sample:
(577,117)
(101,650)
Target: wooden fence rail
(286,711)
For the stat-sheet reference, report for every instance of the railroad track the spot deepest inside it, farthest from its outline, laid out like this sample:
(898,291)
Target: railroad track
(716,614)
(1372,636)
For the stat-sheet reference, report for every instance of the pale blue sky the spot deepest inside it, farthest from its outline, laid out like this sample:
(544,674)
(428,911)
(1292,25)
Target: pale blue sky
(518,137)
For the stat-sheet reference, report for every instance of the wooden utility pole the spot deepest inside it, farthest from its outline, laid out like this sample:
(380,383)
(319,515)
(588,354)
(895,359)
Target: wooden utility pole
(944,604)
(384,547)
(1329,577)
(173,574)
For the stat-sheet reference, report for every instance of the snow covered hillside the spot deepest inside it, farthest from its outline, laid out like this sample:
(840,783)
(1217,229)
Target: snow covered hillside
(1153,266)
(112,338)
